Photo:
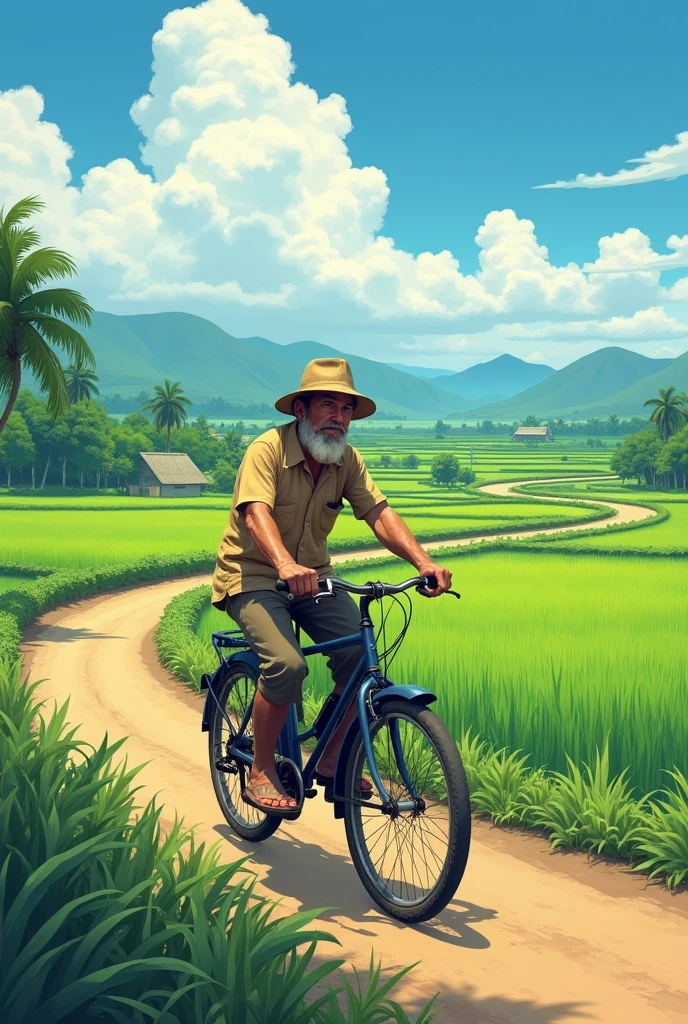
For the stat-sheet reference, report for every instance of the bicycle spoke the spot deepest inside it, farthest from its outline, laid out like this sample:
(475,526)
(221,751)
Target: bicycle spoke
(405,853)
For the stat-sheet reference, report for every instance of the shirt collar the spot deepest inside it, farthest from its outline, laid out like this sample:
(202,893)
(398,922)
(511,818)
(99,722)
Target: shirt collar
(293,452)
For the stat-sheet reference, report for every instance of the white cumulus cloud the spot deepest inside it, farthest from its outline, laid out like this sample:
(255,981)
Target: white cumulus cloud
(251,212)
(663,164)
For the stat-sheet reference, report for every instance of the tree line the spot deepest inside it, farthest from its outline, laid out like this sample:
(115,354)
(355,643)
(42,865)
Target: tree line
(658,457)
(87,448)
(612,426)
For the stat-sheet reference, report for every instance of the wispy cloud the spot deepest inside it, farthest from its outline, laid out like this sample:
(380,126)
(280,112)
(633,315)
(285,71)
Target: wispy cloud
(652,324)
(663,164)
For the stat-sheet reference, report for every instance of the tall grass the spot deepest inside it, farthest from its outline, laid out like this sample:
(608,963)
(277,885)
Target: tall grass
(551,654)
(105,916)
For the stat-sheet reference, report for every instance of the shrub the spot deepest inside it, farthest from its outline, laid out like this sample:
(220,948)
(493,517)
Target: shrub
(223,476)
(102,916)
(179,648)
(19,606)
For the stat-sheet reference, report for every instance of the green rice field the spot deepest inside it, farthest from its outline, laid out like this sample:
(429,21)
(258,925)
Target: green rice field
(80,539)
(551,654)
(547,652)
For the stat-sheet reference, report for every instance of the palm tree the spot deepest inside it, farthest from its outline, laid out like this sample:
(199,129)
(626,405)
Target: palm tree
(29,314)
(670,412)
(167,406)
(81,381)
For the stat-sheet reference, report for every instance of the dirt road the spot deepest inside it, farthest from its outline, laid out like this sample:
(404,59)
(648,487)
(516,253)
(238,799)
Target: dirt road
(531,937)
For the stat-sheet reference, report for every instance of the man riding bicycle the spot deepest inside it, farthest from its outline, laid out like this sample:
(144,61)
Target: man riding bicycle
(289,491)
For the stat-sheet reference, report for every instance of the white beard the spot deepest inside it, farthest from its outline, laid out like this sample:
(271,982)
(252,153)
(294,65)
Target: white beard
(323,449)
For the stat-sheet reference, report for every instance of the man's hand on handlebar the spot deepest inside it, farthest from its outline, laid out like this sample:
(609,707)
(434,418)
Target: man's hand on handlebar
(442,576)
(303,582)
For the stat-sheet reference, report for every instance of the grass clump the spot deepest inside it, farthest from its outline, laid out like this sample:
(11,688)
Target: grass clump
(104,916)
(178,645)
(584,809)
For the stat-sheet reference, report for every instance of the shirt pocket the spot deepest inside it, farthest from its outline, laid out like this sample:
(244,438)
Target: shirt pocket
(330,511)
(284,516)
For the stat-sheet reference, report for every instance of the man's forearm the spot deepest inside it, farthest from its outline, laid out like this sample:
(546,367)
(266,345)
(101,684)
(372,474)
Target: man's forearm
(263,530)
(391,530)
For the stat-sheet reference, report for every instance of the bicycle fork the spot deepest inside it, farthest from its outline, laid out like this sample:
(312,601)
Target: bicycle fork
(364,705)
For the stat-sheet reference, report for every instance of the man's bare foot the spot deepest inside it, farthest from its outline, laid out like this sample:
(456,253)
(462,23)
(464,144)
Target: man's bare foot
(267,791)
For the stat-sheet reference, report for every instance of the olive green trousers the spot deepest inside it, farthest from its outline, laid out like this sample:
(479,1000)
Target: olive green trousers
(266,618)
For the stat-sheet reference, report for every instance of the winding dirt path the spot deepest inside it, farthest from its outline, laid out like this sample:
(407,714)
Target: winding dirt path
(531,937)
(619,513)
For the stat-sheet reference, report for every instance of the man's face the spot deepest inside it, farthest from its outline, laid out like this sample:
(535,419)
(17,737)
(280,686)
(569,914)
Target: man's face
(329,412)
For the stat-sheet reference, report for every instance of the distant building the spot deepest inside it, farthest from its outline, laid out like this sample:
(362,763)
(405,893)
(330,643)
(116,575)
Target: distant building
(532,434)
(168,475)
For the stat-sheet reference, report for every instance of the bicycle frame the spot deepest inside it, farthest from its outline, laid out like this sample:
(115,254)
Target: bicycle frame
(367,685)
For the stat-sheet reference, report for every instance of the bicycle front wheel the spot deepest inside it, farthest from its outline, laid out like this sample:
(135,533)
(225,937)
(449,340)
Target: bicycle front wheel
(411,862)
(235,694)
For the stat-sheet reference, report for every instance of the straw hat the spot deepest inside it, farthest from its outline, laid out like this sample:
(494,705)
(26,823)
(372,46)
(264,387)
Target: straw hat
(328,375)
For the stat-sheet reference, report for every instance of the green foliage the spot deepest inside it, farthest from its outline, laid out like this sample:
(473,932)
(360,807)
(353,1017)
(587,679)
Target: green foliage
(31,316)
(669,413)
(168,407)
(664,841)
(582,809)
(410,461)
(223,477)
(445,470)
(637,457)
(179,647)
(531,659)
(588,810)
(16,447)
(104,916)
(82,381)
(18,607)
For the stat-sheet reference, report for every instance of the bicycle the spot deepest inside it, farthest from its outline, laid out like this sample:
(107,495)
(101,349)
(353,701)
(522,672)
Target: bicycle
(422,804)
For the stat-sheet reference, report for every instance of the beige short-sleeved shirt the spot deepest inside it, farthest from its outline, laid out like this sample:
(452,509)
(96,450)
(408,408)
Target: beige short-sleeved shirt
(274,471)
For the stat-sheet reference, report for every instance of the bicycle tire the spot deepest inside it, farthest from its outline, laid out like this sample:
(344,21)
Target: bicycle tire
(243,819)
(458,814)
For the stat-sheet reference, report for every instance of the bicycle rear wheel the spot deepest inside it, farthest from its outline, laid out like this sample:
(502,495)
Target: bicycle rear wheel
(410,863)
(235,693)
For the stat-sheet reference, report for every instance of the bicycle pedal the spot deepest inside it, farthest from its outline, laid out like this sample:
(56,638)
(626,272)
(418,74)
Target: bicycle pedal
(310,793)
(226,765)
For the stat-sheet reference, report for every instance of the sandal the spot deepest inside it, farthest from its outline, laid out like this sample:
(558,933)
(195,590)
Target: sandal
(328,782)
(252,794)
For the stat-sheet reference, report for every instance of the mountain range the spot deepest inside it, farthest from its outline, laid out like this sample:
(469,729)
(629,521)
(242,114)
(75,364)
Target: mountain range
(135,352)
(588,386)
(499,378)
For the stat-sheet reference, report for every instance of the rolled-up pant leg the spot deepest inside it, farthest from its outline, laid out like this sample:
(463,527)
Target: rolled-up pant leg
(264,616)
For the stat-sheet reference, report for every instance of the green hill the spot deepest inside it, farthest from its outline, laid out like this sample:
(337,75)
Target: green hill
(496,379)
(135,352)
(629,401)
(577,389)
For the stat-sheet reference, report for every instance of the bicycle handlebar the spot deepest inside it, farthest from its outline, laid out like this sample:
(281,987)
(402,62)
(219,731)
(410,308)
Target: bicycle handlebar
(331,583)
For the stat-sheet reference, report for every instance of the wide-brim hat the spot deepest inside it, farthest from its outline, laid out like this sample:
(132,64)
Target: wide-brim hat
(328,374)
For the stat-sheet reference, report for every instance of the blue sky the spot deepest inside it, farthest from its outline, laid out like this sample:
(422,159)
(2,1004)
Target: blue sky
(464,109)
